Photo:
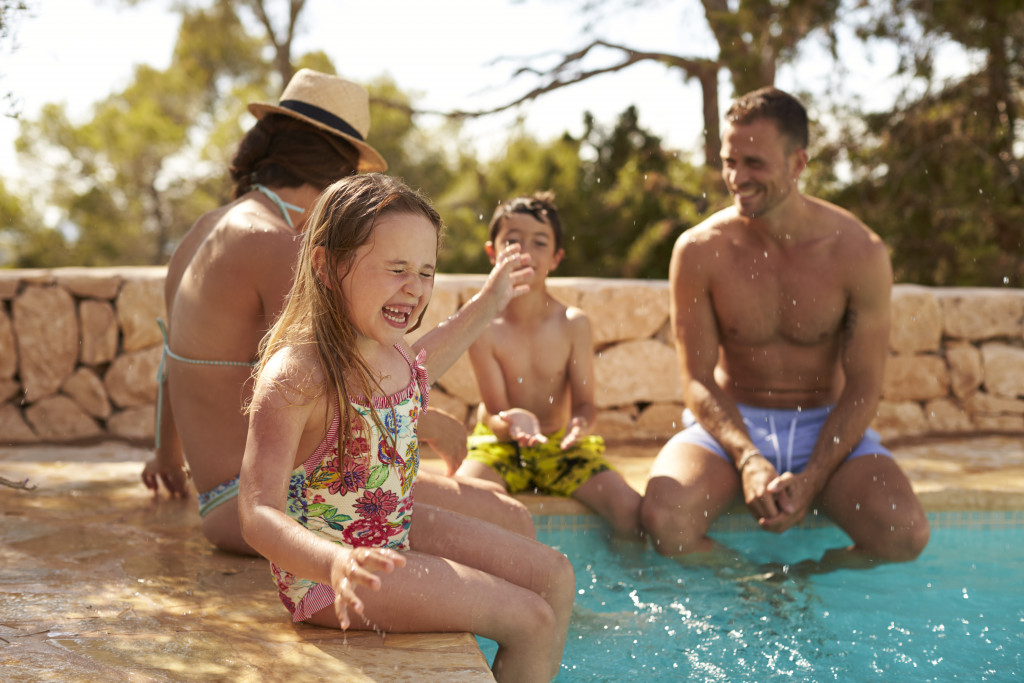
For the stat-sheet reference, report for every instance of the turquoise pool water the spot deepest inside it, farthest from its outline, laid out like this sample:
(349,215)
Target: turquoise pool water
(955,614)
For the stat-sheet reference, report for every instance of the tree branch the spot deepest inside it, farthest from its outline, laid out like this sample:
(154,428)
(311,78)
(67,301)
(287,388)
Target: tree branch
(693,68)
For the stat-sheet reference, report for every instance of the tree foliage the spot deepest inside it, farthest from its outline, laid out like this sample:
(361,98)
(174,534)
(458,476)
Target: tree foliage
(939,175)
(622,197)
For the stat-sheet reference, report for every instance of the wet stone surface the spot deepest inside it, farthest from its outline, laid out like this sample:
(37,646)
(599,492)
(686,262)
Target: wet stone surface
(100,582)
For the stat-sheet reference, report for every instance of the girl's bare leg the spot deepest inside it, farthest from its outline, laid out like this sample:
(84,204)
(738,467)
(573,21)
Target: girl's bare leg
(476,498)
(464,574)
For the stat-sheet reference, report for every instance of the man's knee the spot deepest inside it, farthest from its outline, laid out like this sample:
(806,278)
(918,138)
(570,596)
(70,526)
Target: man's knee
(907,541)
(670,527)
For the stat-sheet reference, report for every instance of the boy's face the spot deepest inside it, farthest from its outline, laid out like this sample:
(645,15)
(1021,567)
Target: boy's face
(535,238)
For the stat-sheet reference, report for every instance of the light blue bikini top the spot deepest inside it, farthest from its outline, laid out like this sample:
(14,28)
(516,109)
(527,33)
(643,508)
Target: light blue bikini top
(281,204)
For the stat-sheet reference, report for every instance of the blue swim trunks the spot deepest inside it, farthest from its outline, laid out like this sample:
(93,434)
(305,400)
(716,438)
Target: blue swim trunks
(218,495)
(785,437)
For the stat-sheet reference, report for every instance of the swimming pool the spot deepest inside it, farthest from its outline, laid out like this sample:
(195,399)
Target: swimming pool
(957,613)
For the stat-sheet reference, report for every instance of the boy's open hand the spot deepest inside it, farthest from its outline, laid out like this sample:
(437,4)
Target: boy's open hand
(356,567)
(577,430)
(523,427)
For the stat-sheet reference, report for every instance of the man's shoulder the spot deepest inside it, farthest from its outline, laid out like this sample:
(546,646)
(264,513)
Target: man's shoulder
(854,236)
(712,228)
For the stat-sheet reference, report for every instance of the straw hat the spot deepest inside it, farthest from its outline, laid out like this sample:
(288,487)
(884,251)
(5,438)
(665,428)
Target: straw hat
(332,104)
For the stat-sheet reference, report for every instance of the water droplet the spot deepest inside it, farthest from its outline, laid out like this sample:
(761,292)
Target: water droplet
(520,380)
(857,506)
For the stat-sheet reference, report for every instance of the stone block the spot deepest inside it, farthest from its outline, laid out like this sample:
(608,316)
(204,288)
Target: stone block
(946,416)
(565,290)
(965,368)
(659,421)
(616,423)
(916,320)
(1000,423)
(133,424)
(99,331)
(9,388)
(916,378)
(8,347)
(905,418)
(623,310)
(1003,369)
(139,304)
(59,419)
(93,283)
(986,404)
(455,407)
(636,371)
(13,428)
(979,313)
(131,379)
(460,382)
(10,283)
(46,327)
(86,388)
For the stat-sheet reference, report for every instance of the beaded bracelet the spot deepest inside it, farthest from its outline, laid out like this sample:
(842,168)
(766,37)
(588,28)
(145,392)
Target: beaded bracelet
(745,459)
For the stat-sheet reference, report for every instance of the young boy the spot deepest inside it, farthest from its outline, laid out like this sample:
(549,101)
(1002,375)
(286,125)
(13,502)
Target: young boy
(534,366)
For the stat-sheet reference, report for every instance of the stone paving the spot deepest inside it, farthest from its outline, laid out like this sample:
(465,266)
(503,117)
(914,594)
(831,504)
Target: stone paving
(100,582)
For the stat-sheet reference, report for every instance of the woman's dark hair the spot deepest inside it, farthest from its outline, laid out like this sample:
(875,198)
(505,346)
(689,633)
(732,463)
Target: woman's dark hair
(280,151)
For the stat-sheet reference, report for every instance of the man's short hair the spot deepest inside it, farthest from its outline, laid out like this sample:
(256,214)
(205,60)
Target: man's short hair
(773,104)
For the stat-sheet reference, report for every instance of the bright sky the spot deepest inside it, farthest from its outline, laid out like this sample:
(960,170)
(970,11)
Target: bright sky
(80,51)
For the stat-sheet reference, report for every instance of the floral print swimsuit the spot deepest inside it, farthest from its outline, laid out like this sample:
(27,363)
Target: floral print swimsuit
(363,499)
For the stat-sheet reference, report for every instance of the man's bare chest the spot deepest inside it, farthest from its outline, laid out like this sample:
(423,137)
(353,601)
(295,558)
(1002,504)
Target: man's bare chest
(760,306)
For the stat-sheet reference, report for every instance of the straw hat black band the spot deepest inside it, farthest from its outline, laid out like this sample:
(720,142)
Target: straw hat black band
(322,116)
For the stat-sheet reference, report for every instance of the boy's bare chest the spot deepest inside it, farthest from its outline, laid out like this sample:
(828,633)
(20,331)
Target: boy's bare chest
(539,355)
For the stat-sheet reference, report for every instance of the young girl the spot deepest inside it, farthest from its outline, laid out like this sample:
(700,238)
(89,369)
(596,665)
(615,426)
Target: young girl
(331,456)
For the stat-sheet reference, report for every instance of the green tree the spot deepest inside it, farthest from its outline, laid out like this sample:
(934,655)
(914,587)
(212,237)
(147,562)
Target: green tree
(622,197)
(10,12)
(753,38)
(939,175)
(130,181)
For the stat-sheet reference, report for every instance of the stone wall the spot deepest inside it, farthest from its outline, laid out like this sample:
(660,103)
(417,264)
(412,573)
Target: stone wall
(80,348)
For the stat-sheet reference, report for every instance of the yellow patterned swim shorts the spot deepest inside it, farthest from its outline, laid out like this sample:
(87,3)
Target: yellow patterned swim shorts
(545,468)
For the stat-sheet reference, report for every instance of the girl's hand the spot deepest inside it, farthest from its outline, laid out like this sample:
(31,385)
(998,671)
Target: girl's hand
(577,430)
(510,276)
(523,427)
(352,567)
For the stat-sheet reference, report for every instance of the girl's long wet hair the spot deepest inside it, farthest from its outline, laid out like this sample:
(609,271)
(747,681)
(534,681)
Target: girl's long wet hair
(342,220)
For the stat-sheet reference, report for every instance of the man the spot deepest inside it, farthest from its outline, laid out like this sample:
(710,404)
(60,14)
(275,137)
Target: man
(780,309)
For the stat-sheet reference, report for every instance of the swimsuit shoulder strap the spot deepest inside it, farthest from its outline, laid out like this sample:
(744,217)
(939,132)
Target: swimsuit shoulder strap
(281,204)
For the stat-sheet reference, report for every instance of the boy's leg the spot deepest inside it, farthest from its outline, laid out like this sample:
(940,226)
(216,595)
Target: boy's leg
(610,496)
(688,488)
(477,470)
(464,495)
